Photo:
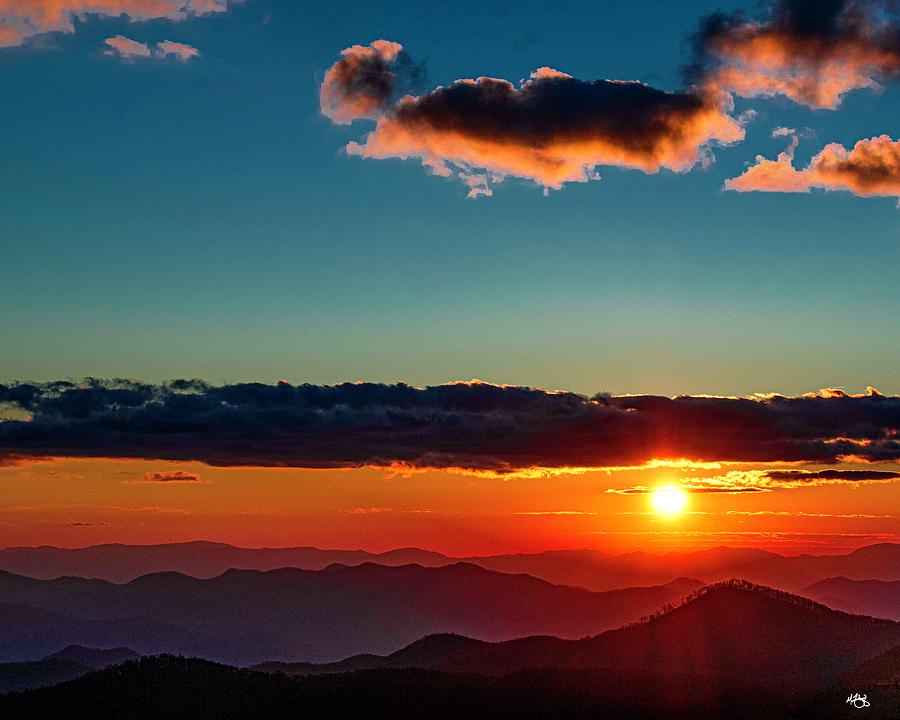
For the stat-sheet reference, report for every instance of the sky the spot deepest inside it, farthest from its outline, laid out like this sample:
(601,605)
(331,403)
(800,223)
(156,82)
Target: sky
(212,190)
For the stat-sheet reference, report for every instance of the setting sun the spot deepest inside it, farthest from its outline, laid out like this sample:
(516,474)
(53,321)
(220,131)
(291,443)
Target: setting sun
(669,500)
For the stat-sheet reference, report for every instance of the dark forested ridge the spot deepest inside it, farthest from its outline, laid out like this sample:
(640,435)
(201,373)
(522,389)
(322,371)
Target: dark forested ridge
(166,687)
(70,662)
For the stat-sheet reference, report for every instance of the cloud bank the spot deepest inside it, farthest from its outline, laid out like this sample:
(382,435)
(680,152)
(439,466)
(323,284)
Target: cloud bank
(811,51)
(551,129)
(473,426)
(22,19)
(870,168)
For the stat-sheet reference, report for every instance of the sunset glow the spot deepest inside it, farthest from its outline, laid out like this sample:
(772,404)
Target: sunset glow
(449,360)
(669,500)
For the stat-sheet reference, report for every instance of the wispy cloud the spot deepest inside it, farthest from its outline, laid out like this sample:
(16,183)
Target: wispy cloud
(786,513)
(129,49)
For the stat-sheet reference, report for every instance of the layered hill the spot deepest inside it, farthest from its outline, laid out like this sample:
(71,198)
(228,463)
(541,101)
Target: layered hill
(122,563)
(591,569)
(862,597)
(69,663)
(31,633)
(247,616)
(730,630)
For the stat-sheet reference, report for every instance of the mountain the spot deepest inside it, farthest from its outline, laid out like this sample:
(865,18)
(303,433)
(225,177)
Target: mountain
(247,616)
(31,633)
(591,569)
(881,670)
(877,598)
(123,563)
(95,658)
(428,653)
(165,687)
(598,571)
(69,663)
(732,629)
(15,677)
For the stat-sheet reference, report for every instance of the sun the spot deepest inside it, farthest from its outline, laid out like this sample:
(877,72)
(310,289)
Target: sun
(669,500)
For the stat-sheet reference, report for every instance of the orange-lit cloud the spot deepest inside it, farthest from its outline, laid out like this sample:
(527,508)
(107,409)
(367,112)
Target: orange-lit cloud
(129,49)
(800,513)
(21,19)
(361,82)
(551,129)
(870,168)
(178,50)
(753,481)
(811,52)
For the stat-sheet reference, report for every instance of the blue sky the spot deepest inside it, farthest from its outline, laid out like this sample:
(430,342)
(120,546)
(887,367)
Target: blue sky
(162,219)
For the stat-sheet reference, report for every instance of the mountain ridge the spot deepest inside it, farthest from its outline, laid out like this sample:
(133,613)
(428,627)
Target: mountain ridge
(588,568)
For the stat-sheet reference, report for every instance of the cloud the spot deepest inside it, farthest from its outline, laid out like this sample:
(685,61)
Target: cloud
(129,49)
(697,486)
(785,513)
(748,481)
(871,168)
(177,50)
(22,19)
(170,476)
(363,81)
(552,128)
(472,426)
(813,52)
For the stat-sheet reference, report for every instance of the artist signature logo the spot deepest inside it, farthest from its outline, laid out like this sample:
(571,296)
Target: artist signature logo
(858,701)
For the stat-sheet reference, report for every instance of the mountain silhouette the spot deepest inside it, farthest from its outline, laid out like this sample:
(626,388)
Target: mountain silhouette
(733,629)
(166,687)
(599,571)
(31,633)
(122,563)
(95,658)
(248,616)
(877,598)
(591,569)
(428,653)
(883,669)
(69,663)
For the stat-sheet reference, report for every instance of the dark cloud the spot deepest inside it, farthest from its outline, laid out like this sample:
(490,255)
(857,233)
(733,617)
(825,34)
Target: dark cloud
(170,476)
(695,487)
(476,426)
(552,128)
(849,476)
(812,51)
